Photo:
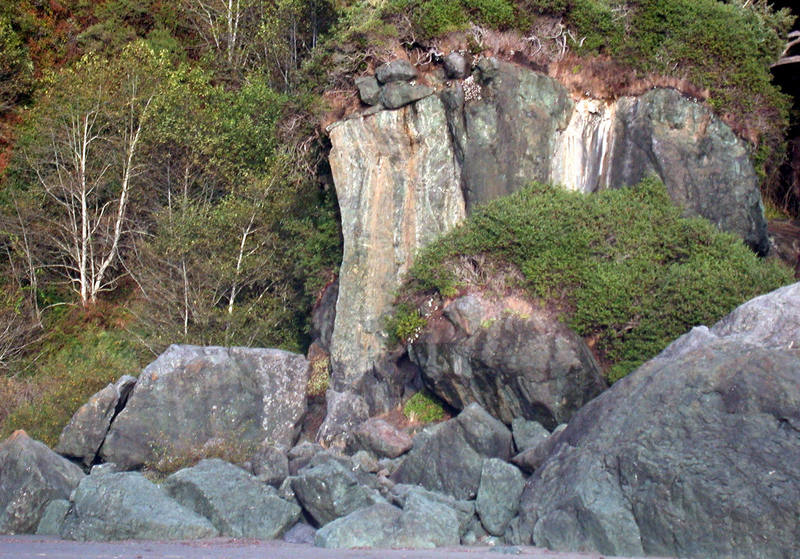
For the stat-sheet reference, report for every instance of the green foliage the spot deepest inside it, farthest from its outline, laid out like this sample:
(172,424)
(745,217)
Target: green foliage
(78,360)
(242,243)
(320,377)
(623,265)
(424,407)
(16,68)
(404,324)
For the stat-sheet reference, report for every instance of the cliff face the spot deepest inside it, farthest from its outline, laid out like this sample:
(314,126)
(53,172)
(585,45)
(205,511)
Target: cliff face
(407,176)
(399,188)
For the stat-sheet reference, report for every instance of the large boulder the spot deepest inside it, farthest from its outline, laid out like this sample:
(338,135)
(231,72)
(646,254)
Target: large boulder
(695,454)
(448,457)
(399,94)
(705,167)
(125,505)
(31,475)
(422,523)
(86,431)
(512,358)
(328,488)
(498,495)
(192,395)
(235,502)
(396,70)
(378,436)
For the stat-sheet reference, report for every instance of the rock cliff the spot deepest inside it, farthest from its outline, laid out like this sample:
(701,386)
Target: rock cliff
(406,176)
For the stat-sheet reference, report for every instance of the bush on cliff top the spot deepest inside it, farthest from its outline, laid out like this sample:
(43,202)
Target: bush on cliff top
(623,268)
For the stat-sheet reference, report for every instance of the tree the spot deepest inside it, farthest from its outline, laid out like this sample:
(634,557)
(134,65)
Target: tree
(240,226)
(79,163)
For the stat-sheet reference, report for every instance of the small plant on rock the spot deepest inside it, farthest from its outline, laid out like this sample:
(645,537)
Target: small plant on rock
(424,407)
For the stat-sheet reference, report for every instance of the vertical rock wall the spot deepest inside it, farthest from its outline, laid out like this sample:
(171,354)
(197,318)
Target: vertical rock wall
(399,188)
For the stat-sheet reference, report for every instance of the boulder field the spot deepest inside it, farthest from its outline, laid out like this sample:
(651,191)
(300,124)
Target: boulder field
(694,454)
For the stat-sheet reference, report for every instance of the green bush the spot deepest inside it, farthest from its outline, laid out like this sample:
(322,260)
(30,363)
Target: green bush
(623,266)
(424,407)
(404,324)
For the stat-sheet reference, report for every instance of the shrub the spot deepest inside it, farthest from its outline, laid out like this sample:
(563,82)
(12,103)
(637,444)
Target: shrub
(622,266)
(404,324)
(424,407)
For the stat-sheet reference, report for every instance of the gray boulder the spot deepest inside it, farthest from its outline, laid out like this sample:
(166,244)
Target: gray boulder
(300,533)
(85,432)
(378,436)
(527,434)
(31,475)
(399,94)
(514,359)
(531,458)
(192,395)
(270,465)
(423,523)
(328,488)
(498,495)
(396,70)
(53,518)
(427,522)
(464,510)
(448,457)
(235,502)
(369,90)
(694,454)
(374,526)
(456,66)
(345,411)
(125,505)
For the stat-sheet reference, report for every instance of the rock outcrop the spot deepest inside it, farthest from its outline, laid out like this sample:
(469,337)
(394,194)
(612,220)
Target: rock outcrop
(404,177)
(192,395)
(694,454)
(31,475)
(515,360)
(398,189)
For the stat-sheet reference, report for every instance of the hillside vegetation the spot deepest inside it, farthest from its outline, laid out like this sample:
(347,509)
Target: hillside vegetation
(622,267)
(163,174)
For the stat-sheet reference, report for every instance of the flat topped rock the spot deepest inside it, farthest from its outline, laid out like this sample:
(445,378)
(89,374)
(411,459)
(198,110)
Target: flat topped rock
(192,396)
(125,505)
(399,94)
(396,70)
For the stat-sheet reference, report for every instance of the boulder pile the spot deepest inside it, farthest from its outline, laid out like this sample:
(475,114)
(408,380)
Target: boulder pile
(695,454)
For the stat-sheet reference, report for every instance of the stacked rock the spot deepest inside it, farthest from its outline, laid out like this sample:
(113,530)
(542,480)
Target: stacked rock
(392,86)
